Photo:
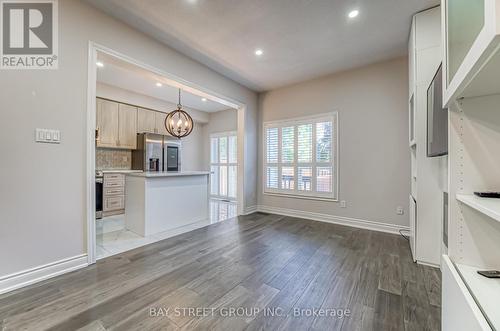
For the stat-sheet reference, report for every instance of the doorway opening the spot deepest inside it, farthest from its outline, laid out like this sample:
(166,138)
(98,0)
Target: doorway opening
(223,175)
(128,99)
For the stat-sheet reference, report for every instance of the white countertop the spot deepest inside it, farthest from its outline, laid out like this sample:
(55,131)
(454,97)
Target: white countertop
(155,174)
(119,171)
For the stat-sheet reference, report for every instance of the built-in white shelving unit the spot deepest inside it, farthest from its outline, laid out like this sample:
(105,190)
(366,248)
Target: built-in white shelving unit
(472,39)
(426,200)
(471,91)
(488,206)
(485,291)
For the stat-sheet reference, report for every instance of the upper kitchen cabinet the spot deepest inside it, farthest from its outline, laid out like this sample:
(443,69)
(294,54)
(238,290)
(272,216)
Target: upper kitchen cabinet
(472,39)
(107,123)
(127,126)
(116,125)
(146,121)
(160,123)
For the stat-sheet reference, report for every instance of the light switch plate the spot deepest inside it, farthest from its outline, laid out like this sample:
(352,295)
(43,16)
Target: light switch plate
(48,136)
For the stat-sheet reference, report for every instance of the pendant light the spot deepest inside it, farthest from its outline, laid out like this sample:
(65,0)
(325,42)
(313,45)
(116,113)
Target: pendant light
(178,123)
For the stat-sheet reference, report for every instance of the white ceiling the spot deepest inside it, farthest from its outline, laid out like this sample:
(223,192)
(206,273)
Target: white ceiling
(301,39)
(133,78)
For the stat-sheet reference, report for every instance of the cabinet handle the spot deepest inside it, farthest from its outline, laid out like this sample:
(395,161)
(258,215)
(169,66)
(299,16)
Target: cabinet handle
(114,191)
(97,137)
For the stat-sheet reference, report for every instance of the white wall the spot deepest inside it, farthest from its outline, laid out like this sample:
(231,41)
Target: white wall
(193,149)
(373,139)
(42,192)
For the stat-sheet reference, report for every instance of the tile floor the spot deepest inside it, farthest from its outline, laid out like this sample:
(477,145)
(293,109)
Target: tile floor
(113,238)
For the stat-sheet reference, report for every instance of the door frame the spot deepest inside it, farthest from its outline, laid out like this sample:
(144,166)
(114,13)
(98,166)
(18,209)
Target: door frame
(170,79)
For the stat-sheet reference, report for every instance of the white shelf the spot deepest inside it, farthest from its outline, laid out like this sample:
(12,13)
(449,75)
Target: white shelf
(485,291)
(477,74)
(488,206)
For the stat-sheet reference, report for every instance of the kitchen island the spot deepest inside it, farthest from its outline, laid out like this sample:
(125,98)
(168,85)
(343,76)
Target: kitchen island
(161,201)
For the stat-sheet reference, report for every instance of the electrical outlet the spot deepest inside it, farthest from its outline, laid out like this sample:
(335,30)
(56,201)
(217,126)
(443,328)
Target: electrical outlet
(342,204)
(400,210)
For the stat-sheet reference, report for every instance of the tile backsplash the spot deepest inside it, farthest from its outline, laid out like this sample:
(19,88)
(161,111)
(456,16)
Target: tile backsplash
(107,159)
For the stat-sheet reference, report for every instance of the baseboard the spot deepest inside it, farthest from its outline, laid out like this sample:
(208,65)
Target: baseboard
(429,264)
(27,277)
(250,210)
(353,222)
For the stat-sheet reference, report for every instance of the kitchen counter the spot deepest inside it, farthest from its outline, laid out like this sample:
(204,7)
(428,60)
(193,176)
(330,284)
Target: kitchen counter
(161,201)
(119,171)
(153,174)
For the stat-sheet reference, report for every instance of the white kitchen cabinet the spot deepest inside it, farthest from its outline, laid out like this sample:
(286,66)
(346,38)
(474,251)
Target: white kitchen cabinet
(146,121)
(127,126)
(107,123)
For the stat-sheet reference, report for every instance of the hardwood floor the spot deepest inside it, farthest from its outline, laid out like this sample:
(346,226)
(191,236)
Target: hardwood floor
(239,273)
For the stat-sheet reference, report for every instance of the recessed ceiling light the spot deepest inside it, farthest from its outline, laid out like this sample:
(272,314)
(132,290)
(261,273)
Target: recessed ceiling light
(99,64)
(353,13)
(204,99)
(159,84)
(259,52)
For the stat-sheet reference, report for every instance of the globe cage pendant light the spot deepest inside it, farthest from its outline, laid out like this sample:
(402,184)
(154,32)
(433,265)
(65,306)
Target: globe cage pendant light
(178,123)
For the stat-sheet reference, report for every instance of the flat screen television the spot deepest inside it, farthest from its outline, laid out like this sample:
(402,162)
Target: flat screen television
(437,118)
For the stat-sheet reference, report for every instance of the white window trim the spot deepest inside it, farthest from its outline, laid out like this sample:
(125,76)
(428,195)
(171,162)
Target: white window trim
(333,116)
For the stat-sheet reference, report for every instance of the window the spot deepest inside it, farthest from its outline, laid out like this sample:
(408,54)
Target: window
(300,157)
(223,165)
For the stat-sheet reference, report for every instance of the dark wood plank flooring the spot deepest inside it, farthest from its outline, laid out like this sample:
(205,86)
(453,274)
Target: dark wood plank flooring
(256,272)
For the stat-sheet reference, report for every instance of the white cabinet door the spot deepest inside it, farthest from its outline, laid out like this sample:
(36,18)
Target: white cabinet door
(107,123)
(127,127)
(146,121)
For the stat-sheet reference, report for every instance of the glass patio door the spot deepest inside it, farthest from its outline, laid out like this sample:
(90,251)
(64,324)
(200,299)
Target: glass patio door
(223,165)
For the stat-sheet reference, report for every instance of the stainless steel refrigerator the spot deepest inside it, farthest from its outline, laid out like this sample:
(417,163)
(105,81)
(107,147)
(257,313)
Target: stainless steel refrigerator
(156,152)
